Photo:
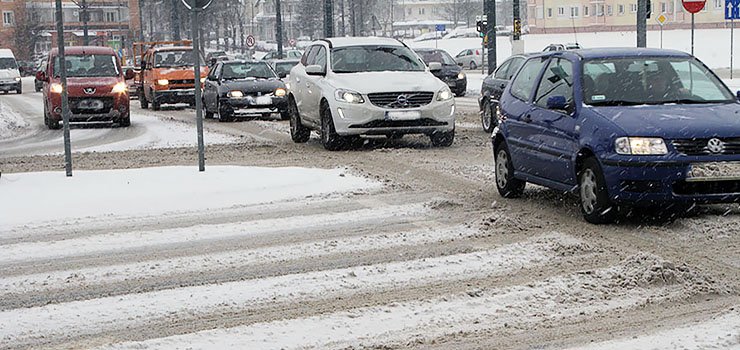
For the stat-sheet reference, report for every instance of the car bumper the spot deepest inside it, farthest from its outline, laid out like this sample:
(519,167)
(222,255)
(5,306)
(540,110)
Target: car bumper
(641,182)
(10,85)
(111,116)
(174,96)
(249,105)
(368,119)
(457,85)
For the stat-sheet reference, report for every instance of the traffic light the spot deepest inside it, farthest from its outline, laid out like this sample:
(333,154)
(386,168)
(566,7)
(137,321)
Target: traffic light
(517,29)
(480,25)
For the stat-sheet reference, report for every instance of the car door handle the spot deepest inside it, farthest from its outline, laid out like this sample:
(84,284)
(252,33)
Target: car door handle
(527,118)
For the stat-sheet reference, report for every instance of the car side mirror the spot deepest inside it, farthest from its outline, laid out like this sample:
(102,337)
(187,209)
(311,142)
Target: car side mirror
(315,69)
(434,66)
(738,94)
(282,75)
(460,64)
(41,76)
(557,102)
(129,74)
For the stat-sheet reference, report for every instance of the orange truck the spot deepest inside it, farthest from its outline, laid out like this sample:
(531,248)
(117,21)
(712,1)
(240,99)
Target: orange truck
(166,73)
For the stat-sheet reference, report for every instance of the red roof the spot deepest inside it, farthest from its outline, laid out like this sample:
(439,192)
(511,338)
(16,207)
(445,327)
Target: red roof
(81,50)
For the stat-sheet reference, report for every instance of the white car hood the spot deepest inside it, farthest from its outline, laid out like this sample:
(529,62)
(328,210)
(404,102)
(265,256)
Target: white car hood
(6,74)
(369,82)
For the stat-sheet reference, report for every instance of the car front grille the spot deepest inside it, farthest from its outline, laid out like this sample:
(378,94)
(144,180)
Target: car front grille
(74,103)
(698,147)
(685,188)
(191,82)
(401,99)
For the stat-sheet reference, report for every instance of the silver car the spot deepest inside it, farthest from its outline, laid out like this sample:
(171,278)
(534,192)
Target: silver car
(471,58)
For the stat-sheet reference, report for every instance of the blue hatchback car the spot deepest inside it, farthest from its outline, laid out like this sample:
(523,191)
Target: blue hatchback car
(619,126)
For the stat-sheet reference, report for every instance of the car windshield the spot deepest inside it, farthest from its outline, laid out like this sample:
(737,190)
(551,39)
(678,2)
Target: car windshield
(653,80)
(174,58)
(374,58)
(7,63)
(103,65)
(284,67)
(258,70)
(437,56)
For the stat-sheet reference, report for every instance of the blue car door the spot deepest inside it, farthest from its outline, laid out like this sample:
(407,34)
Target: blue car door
(554,130)
(518,113)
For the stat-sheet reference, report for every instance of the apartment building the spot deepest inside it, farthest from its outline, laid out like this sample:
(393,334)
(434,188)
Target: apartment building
(557,16)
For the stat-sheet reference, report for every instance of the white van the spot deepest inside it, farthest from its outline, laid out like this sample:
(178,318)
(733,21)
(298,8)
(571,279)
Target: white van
(10,77)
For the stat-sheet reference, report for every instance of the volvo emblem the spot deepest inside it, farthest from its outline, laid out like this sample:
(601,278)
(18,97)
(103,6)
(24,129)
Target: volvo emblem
(89,90)
(402,100)
(715,145)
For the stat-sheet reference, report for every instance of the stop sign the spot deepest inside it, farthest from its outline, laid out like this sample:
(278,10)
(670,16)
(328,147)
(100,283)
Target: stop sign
(693,6)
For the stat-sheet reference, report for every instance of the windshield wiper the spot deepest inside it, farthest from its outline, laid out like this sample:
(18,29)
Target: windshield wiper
(615,103)
(691,101)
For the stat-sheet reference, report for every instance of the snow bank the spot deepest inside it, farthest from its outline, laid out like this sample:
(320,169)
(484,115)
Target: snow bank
(46,196)
(11,124)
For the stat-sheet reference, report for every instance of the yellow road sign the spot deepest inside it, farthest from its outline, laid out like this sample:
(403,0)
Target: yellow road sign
(662,19)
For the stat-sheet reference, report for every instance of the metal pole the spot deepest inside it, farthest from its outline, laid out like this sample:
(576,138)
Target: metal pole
(198,101)
(85,37)
(732,34)
(490,11)
(341,9)
(641,25)
(279,29)
(63,76)
(141,24)
(692,34)
(661,36)
(328,18)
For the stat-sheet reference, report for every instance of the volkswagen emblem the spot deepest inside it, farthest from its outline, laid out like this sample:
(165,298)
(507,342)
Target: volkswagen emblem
(715,145)
(89,90)
(402,100)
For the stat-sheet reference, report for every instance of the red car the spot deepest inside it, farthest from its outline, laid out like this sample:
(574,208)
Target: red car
(96,85)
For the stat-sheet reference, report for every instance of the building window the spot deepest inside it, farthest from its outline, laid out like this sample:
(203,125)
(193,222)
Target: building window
(540,12)
(608,10)
(8,19)
(671,7)
(633,8)
(549,12)
(421,10)
(409,11)
(585,11)
(110,17)
(662,7)
(620,10)
(574,11)
(599,10)
(718,4)
(561,11)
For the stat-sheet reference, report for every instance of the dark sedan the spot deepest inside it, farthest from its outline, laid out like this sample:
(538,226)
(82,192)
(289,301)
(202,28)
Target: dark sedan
(235,88)
(492,88)
(451,73)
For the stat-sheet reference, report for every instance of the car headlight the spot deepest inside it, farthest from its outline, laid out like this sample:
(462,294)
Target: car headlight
(640,146)
(120,88)
(163,82)
(444,94)
(280,92)
(17,78)
(236,93)
(461,75)
(56,88)
(348,96)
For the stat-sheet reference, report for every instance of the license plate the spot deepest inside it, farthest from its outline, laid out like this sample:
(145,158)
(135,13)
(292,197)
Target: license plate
(713,171)
(402,115)
(263,100)
(90,104)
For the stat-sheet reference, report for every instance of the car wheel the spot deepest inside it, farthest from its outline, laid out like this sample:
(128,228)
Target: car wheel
(460,93)
(507,185)
(38,89)
(19,90)
(329,137)
(442,138)
(155,105)
(142,99)
(125,121)
(596,206)
(473,66)
(298,132)
(223,114)
(487,115)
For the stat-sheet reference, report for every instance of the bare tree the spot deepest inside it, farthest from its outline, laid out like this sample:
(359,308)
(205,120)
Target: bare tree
(27,30)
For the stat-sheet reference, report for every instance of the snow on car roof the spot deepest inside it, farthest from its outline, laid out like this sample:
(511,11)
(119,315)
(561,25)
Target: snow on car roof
(370,40)
(626,51)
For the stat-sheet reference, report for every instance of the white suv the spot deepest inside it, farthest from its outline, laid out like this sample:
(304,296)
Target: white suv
(347,87)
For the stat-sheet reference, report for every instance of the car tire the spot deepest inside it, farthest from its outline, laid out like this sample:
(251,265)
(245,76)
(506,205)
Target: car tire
(329,137)
(142,100)
(460,93)
(507,185)
(155,105)
(595,204)
(223,115)
(19,90)
(487,116)
(473,66)
(298,132)
(442,138)
(37,88)
(125,121)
